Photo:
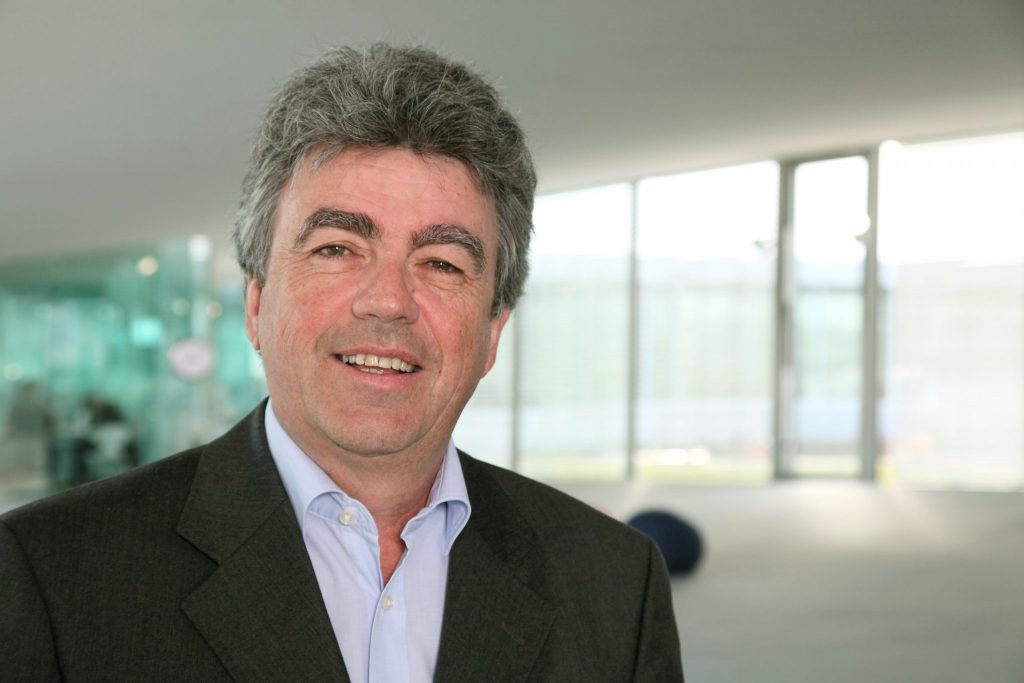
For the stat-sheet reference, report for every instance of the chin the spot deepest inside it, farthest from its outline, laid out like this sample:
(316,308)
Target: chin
(375,442)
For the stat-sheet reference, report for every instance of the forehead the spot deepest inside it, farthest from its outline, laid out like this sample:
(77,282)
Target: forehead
(394,187)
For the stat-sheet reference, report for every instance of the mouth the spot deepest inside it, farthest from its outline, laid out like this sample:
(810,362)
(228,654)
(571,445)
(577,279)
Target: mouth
(378,365)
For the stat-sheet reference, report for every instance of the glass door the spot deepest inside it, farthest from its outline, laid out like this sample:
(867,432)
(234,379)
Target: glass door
(822,368)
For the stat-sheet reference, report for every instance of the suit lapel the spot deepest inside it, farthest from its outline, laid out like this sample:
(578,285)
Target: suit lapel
(495,622)
(261,609)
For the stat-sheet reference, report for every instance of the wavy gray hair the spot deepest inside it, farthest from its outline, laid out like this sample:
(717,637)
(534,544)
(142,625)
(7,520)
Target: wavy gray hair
(392,97)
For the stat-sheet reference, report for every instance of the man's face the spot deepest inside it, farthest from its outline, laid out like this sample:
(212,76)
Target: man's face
(374,321)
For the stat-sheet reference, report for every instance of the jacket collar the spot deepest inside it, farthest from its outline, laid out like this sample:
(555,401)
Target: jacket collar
(260,610)
(496,616)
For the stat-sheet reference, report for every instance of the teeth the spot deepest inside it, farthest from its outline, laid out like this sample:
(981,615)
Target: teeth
(378,364)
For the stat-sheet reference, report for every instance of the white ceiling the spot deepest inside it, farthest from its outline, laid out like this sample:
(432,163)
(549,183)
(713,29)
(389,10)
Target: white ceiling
(129,122)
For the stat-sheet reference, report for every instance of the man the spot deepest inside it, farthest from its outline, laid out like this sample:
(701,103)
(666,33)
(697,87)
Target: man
(336,533)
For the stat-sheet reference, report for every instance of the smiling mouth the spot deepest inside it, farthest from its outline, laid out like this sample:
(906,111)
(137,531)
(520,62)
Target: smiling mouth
(379,365)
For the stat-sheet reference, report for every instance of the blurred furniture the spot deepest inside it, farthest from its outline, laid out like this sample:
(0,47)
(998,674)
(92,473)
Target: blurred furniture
(679,541)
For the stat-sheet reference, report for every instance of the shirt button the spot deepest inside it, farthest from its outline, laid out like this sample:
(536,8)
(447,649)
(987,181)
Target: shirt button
(388,602)
(347,516)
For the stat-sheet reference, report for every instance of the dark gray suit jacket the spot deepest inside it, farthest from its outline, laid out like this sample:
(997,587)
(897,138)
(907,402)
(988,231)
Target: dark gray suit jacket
(193,568)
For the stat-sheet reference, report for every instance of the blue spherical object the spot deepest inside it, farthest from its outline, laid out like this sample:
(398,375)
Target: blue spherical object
(679,541)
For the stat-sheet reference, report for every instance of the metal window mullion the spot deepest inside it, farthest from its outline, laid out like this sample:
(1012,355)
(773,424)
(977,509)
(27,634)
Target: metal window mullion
(783,393)
(633,339)
(870,350)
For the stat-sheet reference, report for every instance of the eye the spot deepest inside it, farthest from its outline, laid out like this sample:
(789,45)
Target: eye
(332,250)
(443,266)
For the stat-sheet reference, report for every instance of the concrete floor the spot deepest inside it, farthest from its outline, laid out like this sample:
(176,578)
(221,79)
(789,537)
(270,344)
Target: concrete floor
(844,582)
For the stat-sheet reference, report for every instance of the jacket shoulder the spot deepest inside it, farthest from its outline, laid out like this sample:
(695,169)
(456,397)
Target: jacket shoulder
(557,518)
(606,581)
(150,492)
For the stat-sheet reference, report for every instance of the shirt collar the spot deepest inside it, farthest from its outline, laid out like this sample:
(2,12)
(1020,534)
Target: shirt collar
(450,489)
(304,481)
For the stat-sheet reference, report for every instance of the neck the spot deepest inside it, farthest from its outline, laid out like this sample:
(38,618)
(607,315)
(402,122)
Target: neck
(393,487)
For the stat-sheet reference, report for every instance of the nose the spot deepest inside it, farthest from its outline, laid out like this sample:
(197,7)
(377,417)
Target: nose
(386,295)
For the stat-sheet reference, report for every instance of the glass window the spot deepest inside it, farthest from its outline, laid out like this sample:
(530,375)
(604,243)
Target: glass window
(485,428)
(951,263)
(706,270)
(112,359)
(574,334)
(951,317)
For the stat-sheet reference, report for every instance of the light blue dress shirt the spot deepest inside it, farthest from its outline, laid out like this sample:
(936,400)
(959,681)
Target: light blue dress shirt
(387,633)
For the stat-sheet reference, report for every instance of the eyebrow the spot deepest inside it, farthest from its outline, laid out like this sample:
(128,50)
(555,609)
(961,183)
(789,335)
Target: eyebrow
(357,223)
(363,226)
(452,234)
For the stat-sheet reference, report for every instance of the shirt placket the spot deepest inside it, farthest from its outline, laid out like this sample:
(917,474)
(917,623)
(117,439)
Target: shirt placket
(388,649)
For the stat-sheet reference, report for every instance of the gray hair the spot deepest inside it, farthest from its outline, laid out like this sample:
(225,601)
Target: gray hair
(392,97)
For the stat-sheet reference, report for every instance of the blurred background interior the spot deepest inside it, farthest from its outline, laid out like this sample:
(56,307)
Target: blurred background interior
(777,287)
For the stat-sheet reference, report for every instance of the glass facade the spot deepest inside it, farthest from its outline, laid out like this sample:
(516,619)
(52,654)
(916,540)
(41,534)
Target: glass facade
(644,346)
(706,273)
(574,337)
(951,265)
(121,357)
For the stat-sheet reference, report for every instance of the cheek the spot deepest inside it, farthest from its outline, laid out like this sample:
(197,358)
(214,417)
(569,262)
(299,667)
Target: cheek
(458,323)
(475,345)
(295,313)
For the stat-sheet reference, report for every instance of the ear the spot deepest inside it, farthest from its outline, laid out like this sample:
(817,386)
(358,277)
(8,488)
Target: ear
(497,324)
(253,293)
